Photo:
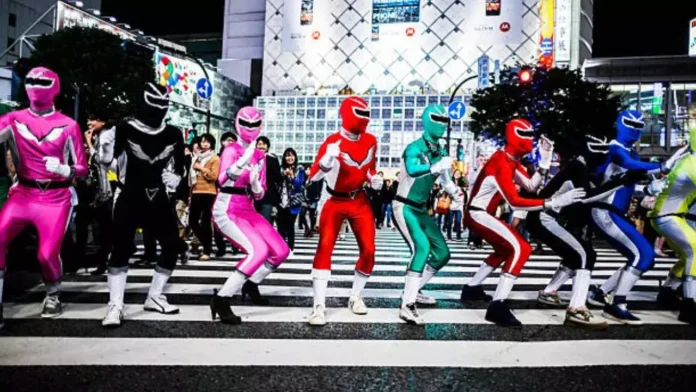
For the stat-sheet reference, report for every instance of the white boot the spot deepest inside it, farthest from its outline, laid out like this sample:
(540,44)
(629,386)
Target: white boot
(357,305)
(317,317)
(156,301)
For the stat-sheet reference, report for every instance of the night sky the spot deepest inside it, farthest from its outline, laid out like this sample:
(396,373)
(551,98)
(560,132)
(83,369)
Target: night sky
(621,27)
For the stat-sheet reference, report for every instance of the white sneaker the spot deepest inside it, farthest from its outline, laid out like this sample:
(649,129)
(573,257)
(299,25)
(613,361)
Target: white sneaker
(159,304)
(317,317)
(357,305)
(423,299)
(114,316)
(409,313)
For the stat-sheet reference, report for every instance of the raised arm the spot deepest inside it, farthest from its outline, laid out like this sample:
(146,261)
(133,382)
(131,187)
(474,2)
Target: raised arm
(623,158)
(506,184)
(318,170)
(523,180)
(413,164)
(75,149)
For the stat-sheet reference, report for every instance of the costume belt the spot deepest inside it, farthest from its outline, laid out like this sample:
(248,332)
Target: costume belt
(343,195)
(233,190)
(44,185)
(474,208)
(410,203)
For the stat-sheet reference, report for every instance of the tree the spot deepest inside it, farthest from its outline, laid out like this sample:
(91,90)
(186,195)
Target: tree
(108,72)
(558,102)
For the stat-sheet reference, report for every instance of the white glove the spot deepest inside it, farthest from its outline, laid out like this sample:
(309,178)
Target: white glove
(453,190)
(234,171)
(656,187)
(255,180)
(442,166)
(333,150)
(557,202)
(170,180)
(678,155)
(545,153)
(377,182)
(53,165)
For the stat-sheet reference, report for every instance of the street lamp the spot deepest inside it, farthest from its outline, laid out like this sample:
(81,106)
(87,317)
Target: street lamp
(140,32)
(124,25)
(111,19)
(94,11)
(77,4)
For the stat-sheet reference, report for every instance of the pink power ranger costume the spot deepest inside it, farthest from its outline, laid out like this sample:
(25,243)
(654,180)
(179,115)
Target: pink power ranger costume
(243,179)
(50,153)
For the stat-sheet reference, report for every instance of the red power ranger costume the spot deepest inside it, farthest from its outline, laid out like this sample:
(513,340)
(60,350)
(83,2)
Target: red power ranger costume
(496,182)
(346,161)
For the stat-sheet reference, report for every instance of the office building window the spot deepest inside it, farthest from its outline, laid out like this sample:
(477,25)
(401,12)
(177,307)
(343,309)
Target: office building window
(12,20)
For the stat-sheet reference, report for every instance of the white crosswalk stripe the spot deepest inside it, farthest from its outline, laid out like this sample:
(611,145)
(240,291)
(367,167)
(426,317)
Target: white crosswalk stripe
(277,335)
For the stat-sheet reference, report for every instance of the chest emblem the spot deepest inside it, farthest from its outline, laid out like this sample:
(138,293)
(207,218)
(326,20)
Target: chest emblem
(348,160)
(51,136)
(140,154)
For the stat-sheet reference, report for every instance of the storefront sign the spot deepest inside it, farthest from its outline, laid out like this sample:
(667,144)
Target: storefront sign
(564,13)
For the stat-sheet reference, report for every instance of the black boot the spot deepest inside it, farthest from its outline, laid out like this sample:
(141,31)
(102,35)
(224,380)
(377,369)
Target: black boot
(668,299)
(221,306)
(687,311)
(474,293)
(251,289)
(101,268)
(499,313)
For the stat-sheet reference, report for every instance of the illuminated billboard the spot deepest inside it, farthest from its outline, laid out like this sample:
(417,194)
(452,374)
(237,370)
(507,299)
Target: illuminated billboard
(380,46)
(180,76)
(69,16)
(547,14)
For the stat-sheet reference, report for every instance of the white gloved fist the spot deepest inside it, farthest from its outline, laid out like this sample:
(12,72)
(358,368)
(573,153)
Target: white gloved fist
(557,202)
(675,158)
(333,150)
(545,153)
(377,182)
(53,165)
(255,180)
(442,166)
(656,187)
(170,180)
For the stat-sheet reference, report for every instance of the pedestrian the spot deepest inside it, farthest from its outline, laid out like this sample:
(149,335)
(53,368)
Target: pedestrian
(456,209)
(388,194)
(202,179)
(271,199)
(291,195)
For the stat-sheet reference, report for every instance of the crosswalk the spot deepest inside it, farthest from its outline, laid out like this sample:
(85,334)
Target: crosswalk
(275,347)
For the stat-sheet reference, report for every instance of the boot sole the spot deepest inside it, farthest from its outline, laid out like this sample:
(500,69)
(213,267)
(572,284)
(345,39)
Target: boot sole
(581,325)
(410,321)
(505,325)
(160,311)
(50,316)
(553,304)
(622,321)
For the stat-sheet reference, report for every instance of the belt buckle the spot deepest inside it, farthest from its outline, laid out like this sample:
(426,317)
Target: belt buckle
(353,193)
(43,185)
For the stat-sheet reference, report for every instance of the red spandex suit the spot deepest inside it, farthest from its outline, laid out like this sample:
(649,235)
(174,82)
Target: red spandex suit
(346,161)
(497,182)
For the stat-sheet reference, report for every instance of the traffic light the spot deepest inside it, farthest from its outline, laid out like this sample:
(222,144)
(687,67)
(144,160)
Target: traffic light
(525,76)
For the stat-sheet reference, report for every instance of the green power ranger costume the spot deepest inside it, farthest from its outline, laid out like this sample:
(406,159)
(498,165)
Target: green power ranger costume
(423,162)
(670,218)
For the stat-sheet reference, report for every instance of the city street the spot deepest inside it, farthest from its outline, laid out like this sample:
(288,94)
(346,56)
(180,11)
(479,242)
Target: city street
(275,348)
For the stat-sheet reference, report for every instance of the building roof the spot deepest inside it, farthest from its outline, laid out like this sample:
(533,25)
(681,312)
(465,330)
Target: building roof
(641,69)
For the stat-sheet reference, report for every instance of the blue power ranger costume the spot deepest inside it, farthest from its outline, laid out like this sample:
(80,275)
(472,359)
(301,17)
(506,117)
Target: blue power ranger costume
(610,221)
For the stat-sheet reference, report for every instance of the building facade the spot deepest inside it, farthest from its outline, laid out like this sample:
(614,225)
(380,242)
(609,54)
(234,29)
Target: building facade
(16,16)
(663,88)
(401,55)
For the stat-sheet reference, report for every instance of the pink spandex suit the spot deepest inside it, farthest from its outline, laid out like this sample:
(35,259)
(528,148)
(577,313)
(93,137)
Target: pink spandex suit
(50,154)
(233,211)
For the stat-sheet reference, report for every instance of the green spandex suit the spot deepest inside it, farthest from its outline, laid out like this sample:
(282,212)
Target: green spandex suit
(416,181)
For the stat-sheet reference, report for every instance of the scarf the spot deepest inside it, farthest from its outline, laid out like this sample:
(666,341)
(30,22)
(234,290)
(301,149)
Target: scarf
(203,158)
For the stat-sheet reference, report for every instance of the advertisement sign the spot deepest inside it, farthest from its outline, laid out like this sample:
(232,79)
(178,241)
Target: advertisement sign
(396,21)
(181,77)
(305,24)
(484,72)
(493,22)
(692,38)
(564,13)
(68,16)
(546,40)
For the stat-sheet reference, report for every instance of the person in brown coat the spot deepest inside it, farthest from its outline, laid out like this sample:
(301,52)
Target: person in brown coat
(202,178)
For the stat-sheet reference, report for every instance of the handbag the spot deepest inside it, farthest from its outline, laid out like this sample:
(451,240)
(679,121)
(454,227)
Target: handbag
(443,205)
